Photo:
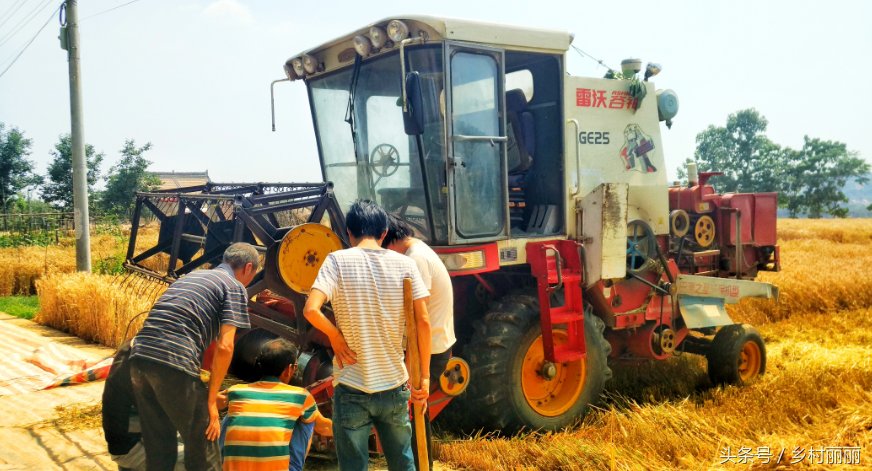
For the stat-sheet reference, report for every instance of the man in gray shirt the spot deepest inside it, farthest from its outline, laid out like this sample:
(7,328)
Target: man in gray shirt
(202,307)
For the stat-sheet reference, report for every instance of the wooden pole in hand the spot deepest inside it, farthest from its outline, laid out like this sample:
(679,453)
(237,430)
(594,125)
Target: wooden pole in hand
(415,376)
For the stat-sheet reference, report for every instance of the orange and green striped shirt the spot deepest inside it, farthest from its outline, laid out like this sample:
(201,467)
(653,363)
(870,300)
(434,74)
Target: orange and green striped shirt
(261,419)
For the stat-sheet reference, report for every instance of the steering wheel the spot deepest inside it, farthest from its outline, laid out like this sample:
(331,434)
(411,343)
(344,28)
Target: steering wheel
(384,160)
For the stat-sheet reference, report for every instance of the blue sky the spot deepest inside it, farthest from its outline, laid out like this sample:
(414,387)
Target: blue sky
(192,76)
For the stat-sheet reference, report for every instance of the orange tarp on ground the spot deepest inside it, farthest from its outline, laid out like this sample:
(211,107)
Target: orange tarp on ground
(32,365)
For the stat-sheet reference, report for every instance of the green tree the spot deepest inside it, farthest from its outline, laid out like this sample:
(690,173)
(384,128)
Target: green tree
(27,204)
(816,176)
(16,171)
(749,160)
(809,180)
(58,190)
(127,177)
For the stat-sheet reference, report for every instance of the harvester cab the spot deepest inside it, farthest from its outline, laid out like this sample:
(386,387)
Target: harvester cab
(475,134)
(544,194)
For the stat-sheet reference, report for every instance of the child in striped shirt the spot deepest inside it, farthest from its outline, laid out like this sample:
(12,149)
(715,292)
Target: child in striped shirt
(262,416)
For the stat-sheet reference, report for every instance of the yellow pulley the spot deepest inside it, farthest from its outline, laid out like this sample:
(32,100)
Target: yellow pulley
(301,253)
(454,380)
(704,231)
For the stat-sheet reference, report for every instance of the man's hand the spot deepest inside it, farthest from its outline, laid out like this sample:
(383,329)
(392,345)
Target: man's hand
(221,401)
(213,430)
(341,351)
(312,312)
(420,396)
(220,363)
(324,426)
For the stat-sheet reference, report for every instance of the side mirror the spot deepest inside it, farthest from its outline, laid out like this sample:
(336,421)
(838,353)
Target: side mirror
(413,111)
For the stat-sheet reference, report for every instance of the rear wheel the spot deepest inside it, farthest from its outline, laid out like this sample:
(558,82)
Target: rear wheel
(511,384)
(737,355)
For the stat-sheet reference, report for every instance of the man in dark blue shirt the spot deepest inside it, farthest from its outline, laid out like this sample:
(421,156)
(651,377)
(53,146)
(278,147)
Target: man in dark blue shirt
(202,307)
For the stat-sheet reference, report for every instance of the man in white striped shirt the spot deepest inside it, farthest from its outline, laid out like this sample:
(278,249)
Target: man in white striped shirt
(364,285)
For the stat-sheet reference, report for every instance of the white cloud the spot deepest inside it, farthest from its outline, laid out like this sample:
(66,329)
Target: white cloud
(229,11)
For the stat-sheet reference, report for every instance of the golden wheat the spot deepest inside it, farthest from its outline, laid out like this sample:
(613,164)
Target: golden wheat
(20,267)
(94,307)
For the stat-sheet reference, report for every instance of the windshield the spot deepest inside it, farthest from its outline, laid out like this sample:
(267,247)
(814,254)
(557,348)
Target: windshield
(386,167)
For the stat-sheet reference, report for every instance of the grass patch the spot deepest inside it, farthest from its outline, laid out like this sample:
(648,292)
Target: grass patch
(20,306)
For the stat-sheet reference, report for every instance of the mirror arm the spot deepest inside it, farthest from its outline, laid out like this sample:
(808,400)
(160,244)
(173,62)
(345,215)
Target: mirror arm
(272,100)
(403,66)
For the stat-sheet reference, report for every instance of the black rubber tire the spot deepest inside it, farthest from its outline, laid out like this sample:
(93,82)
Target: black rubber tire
(496,353)
(723,354)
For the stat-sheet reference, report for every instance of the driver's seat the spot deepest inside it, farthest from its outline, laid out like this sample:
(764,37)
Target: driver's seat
(519,151)
(521,132)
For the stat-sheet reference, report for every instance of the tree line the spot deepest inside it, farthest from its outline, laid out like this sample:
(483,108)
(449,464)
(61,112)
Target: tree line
(809,181)
(18,174)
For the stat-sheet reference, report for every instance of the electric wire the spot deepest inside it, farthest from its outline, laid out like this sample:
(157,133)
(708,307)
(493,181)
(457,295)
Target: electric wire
(24,21)
(32,15)
(586,55)
(107,10)
(31,41)
(11,12)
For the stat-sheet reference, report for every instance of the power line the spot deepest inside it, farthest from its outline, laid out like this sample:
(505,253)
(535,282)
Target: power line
(108,10)
(31,41)
(12,11)
(25,21)
(584,54)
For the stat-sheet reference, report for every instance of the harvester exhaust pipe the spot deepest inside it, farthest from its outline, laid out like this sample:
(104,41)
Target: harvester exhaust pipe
(692,174)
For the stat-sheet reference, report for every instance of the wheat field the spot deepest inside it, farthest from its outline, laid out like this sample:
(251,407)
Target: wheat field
(816,394)
(21,267)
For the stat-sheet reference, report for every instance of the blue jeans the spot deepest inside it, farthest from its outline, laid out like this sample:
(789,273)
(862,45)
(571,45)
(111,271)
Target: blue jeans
(300,445)
(356,412)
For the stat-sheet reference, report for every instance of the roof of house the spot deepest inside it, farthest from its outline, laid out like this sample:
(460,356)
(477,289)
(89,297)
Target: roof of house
(170,180)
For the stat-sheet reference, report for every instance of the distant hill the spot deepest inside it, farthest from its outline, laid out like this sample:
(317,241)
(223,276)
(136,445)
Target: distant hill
(859,198)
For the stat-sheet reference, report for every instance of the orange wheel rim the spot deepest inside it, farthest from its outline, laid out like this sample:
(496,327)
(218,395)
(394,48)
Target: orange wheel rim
(750,359)
(551,397)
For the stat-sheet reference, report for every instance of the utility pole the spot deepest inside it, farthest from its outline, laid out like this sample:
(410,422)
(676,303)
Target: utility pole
(80,168)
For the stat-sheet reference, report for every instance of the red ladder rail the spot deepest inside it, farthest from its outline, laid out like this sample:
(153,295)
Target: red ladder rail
(557,266)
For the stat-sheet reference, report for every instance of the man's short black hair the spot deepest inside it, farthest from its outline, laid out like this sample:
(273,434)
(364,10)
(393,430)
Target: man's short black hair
(397,230)
(366,219)
(275,356)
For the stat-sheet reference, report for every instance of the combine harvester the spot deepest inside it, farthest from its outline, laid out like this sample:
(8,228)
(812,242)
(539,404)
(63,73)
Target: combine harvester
(545,195)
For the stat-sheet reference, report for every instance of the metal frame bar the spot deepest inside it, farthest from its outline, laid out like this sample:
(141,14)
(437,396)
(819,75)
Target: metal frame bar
(253,215)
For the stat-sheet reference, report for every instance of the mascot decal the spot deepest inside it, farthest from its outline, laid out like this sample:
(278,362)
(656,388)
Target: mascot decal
(637,144)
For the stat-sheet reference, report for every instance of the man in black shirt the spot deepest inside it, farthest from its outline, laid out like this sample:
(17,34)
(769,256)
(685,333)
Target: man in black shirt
(120,417)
